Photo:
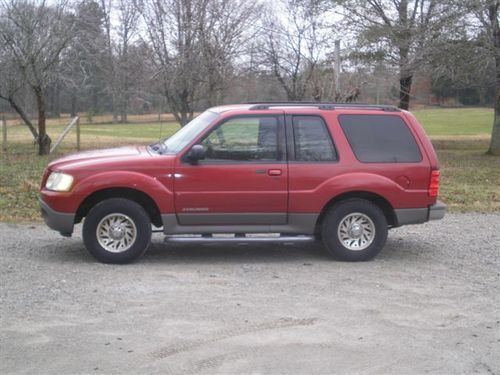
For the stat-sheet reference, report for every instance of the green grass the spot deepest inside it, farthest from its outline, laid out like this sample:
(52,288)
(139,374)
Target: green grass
(456,121)
(20,175)
(470,179)
(143,131)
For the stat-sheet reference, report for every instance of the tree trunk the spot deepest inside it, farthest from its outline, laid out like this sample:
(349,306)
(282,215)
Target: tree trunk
(114,109)
(184,118)
(23,116)
(56,105)
(44,140)
(73,105)
(404,92)
(124,117)
(495,133)
(124,114)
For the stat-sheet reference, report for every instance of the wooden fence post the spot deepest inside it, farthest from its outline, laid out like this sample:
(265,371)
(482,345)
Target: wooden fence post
(63,134)
(78,134)
(4,134)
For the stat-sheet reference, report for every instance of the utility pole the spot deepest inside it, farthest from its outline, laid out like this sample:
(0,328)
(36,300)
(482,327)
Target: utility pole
(337,68)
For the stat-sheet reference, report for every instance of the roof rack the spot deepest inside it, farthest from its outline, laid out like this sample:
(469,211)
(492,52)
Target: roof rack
(322,105)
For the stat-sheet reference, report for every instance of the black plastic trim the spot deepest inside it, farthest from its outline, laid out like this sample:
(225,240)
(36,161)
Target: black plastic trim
(322,105)
(59,221)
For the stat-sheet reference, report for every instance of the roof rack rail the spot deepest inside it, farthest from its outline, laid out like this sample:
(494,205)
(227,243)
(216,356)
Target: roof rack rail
(322,105)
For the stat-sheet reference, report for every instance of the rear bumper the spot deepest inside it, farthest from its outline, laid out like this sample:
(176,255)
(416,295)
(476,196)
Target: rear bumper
(406,216)
(59,221)
(437,211)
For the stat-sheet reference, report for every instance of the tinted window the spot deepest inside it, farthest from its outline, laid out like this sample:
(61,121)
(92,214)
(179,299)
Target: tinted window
(312,139)
(244,139)
(380,139)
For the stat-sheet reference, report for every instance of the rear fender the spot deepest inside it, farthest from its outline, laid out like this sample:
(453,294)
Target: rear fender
(366,182)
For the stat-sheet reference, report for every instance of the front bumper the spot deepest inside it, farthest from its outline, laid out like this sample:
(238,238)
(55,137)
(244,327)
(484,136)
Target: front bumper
(405,216)
(59,221)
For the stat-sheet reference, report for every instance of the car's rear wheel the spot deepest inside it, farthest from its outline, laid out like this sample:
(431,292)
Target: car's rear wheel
(117,230)
(354,230)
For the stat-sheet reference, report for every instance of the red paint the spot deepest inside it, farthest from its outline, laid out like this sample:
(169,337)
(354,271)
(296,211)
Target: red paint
(178,186)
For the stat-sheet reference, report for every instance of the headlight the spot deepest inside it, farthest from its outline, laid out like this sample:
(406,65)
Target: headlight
(58,181)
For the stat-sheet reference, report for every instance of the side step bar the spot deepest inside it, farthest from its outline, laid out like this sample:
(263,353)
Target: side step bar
(226,239)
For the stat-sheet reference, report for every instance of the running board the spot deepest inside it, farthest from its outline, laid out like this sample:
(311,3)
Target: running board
(189,239)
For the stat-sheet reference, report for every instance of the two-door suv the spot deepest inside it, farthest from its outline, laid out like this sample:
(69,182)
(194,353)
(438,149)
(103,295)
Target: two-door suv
(342,173)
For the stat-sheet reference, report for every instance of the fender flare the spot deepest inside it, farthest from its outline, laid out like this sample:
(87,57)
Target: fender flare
(359,182)
(146,184)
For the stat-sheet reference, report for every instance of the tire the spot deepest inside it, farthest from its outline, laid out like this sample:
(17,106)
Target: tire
(124,227)
(354,230)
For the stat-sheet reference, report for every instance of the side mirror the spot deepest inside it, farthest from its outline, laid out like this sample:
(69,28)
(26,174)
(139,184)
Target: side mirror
(197,153)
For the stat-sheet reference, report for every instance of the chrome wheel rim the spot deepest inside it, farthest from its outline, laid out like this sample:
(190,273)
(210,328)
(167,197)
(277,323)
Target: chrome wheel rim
(116,233)
(356,231)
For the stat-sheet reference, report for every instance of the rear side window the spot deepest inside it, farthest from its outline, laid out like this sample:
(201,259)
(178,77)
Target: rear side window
(380,139)
(312,140)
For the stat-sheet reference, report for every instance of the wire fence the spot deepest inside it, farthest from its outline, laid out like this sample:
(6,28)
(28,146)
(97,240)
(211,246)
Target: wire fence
(73,134)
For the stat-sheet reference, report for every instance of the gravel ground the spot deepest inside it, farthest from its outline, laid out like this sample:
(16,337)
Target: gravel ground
(429,303)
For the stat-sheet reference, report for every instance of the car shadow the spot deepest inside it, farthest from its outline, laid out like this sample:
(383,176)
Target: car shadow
(161,252)
(231,252)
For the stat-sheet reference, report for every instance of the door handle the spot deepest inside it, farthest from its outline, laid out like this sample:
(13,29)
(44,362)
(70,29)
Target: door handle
(274,172)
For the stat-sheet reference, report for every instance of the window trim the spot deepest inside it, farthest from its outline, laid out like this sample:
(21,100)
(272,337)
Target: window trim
(290,144)
(282,151)
(410,130)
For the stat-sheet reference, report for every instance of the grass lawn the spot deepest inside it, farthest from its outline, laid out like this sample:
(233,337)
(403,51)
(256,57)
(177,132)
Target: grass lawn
(96,133)
(456,121)
(470,179)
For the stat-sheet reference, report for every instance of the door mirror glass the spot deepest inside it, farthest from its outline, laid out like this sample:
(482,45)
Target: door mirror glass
(197,153)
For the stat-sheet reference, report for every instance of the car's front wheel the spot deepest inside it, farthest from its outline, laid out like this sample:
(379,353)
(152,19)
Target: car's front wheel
(354,230)
(117,230)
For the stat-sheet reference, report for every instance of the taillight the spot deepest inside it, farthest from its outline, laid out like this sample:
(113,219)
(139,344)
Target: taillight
(434,184)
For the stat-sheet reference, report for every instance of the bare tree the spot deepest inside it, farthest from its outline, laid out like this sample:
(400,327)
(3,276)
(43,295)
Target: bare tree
(399,31)
(293,47)
(174,31)
(117,46)
(33,35)
(127,28)
(12,87)
(228,28)
(487,13)
(81,64)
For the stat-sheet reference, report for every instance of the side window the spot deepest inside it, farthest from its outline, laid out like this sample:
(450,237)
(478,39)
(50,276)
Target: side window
(312,140)
(243,139)
(380,139)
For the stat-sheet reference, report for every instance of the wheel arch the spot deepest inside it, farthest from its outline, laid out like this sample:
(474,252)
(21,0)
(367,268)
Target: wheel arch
(134,195)
(377,199)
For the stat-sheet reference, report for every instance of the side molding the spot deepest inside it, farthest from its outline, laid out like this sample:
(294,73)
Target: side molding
(297,224)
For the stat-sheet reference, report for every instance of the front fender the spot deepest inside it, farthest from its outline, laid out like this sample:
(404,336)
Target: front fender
(161,195)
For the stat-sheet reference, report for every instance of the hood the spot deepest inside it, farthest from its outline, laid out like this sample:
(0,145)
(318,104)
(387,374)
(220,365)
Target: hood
(99,158)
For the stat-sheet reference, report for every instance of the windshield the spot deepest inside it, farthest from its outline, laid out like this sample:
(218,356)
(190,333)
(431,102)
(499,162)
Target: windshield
(188,132)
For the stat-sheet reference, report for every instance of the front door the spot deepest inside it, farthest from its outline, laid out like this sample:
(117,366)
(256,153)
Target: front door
(243,179)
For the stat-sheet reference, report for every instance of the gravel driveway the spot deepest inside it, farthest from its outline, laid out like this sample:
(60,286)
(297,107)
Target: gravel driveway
(430,303)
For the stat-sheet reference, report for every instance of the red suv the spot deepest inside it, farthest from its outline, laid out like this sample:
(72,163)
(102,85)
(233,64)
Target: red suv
(342,173)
